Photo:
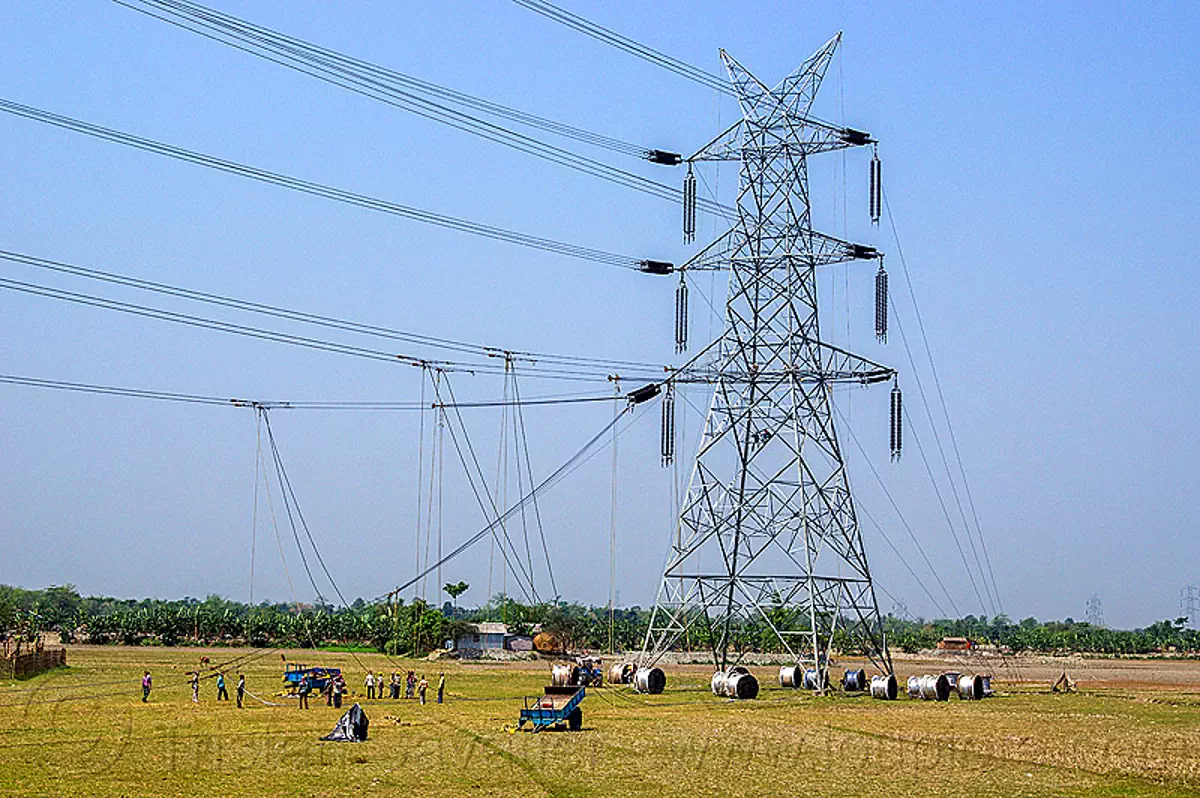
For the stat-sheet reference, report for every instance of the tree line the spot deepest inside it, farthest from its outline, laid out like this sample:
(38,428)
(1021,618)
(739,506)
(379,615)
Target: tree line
(415,626)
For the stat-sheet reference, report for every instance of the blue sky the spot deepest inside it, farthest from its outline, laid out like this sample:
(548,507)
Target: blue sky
(1038,159)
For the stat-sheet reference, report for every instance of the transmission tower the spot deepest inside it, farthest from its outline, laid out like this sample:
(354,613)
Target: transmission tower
(1095,611)
(768,539)
(1189,605)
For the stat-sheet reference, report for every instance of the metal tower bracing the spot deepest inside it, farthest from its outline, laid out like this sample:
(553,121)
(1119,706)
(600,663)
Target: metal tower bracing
(768,540)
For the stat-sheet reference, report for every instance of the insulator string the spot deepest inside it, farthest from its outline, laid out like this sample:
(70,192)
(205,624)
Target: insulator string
(876,188)
(689,206)
(681,315)
(668,424)
(897,420)
(881,303)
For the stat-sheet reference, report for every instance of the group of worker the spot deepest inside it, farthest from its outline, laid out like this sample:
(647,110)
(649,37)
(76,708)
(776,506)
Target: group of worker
(378,687)
(335,687)
(194,679)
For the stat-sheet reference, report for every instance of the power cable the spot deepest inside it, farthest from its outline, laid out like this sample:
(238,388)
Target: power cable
(942,399)
(896,508)
(138,393)
(489,352)
(318,189)
(339,63)
(460,120)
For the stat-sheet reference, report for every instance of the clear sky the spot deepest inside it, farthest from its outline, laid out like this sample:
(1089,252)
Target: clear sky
(1039,158)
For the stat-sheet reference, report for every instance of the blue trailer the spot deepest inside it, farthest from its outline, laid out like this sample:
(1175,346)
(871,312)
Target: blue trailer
(558,707)
(318,677)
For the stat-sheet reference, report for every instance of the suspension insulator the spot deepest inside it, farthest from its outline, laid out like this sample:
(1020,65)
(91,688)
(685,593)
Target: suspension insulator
(668,425)
(876,189)
(897,430)
(881,304)
(689,207)
(681,315)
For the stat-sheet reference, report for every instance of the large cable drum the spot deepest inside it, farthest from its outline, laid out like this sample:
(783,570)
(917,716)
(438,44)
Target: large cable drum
(934,688)
(621,673)
(564,675)
(649,680)
(854,681)
(987,683)
(719,679)
(815,679)
(970,688)
(737,682)
(884,687)
(952,679)
(791,676)
(914,686)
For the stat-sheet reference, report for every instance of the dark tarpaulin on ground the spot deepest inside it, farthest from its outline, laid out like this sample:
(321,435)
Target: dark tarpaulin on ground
(352,728)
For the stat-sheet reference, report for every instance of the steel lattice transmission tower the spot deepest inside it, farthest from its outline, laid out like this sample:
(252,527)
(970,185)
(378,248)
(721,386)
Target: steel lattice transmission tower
(1095,611)
(768,535)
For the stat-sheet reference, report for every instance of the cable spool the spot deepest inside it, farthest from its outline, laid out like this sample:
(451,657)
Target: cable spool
(649,680)
(876,188)
(884,687)
(854,681)
(881,303)
(791,676)
(815,679)
(668,425)
(897,430)
(689,207)
(681,314)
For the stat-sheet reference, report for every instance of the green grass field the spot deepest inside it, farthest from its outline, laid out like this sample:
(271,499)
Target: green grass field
(84,731)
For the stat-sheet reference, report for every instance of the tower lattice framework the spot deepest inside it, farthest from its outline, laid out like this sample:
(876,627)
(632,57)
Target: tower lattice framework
(768,541)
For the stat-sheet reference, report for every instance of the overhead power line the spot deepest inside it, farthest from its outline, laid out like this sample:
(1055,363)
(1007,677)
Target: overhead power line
(320,190)
(320,320)
(223,27)
(602,34)
(289,404)
(338,70)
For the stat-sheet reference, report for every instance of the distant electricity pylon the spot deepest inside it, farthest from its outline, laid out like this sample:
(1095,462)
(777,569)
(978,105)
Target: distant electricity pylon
(1189,605)
(1095,611)
(768,540)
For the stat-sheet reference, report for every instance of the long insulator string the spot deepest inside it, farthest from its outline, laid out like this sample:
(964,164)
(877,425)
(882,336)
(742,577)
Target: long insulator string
(881,303)
(689,206)
(668,424)
(876,188)
(897,430)
(681,315)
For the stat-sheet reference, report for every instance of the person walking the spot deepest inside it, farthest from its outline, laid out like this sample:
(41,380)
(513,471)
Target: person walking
(241,689)
(222,693)
(421,688)
(146,683)
(441,686)
(369,683)
(305,687)
(195,687)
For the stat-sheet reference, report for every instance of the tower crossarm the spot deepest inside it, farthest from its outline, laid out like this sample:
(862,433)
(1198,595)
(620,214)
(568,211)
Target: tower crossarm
(837,366)
(818,248)
(815,136)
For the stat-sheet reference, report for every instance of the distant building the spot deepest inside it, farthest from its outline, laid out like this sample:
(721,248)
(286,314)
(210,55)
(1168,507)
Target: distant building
(955,644)
(482,636)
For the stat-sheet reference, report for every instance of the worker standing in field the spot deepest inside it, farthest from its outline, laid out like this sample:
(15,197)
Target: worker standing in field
(380,686)
(421,688)
(304,690)
(195,687)
(369,683)
(241,689)
(410,684)
(222,693)
(441,686)
(146,682)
